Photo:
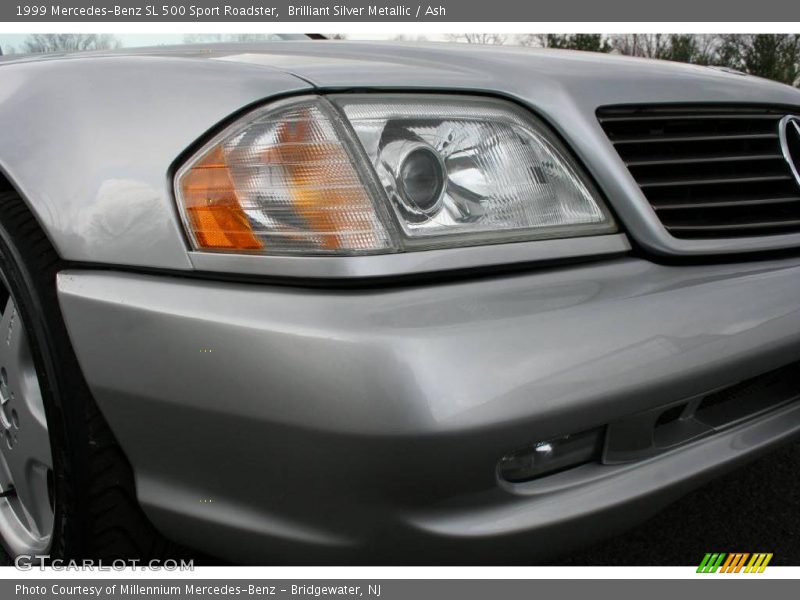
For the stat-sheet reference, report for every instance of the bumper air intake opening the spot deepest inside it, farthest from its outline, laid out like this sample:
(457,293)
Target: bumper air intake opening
(651,432)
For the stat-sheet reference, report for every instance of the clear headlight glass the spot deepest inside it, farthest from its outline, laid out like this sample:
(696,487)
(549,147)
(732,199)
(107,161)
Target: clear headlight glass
(367,174)
(472,169)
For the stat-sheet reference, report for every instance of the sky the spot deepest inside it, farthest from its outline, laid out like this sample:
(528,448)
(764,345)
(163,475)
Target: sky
(129,40)
(132,40)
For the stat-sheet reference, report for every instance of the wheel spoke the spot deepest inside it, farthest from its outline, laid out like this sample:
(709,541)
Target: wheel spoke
(28,462)
(12,336)
(32,494)
(8,309)
(33,438)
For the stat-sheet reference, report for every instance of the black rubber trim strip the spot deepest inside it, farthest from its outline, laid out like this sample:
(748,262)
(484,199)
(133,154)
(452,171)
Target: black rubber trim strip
(358,283)
(674,260)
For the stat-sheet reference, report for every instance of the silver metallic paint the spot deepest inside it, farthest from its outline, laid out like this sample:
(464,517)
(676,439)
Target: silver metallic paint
(89,142)
(322,420)
(548,519)
(413,263)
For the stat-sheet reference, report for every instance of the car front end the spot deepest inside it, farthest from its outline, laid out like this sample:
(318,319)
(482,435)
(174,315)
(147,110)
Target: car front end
(422,303)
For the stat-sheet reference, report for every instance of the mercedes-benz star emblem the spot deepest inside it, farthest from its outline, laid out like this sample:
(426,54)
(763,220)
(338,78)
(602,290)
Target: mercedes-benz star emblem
(789,131)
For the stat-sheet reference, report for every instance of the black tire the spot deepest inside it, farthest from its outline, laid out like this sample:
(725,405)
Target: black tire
(96,512)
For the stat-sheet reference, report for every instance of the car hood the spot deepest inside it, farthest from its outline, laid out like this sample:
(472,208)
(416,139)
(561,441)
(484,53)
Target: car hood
(528,73)
(517,71)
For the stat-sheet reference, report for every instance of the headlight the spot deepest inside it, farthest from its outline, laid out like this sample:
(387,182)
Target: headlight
(366,175)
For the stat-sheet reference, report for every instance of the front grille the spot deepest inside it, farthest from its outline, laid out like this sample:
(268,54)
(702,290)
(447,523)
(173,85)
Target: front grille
(709,171)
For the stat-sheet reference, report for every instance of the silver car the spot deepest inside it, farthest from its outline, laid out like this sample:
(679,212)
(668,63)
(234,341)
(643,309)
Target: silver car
(320,301)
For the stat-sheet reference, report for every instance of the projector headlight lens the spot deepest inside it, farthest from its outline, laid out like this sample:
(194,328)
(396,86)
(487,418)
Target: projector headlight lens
(368,174)
(420,175)
(481,170)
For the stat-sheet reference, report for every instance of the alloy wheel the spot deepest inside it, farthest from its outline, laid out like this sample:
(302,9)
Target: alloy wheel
(27,511)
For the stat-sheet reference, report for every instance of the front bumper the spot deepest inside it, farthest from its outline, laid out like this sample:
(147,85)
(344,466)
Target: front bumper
(268,422)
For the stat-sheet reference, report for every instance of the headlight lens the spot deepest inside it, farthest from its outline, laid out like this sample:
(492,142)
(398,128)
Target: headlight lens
(291,178)
(490,170)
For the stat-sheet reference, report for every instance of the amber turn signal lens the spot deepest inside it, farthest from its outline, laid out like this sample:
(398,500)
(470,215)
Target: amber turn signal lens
(213,208)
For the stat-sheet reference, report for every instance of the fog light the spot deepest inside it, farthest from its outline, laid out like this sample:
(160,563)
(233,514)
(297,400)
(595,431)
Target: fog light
(549,456)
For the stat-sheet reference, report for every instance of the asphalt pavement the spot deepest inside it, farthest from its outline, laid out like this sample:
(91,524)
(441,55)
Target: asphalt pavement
(753,509)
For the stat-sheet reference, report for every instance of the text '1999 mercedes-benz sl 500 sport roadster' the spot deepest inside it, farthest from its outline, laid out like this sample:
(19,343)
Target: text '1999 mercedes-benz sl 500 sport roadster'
(318,301)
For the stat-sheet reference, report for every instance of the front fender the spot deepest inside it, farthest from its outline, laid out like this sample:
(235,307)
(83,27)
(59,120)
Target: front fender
(89,142)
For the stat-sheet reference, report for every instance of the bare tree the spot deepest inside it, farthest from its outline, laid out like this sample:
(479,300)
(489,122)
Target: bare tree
(531,40)
(218,38)
(648,45)
(699,49)
(774,56)
(478,38)
(590,42)
(401,37)
(68,42)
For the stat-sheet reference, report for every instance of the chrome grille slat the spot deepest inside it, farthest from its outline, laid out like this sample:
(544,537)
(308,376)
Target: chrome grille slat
(686,117)
(716,181)
(709,171)
(694,138)
(737,226)
(710,159)
(726,204)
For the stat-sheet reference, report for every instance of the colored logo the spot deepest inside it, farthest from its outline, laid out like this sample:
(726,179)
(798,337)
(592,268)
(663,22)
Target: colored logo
(735,562)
